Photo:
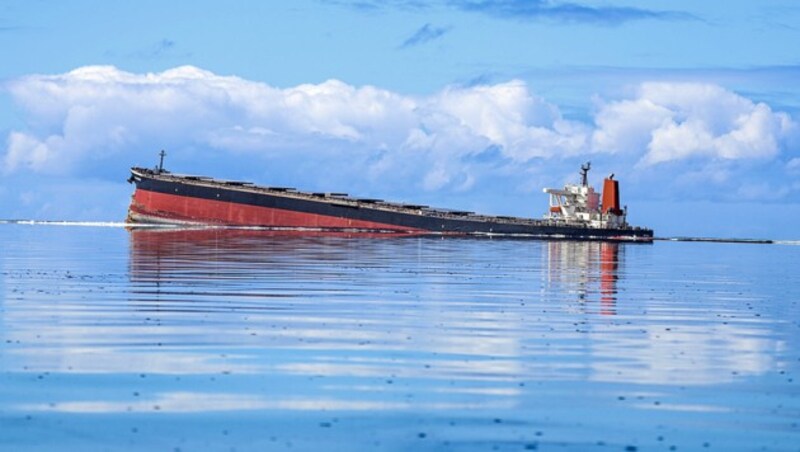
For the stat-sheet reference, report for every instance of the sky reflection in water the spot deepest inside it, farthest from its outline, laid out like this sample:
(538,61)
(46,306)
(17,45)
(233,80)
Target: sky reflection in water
(250,339)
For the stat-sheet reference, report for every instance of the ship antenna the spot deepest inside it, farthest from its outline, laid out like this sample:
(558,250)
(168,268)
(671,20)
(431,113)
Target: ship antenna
(585,172)
(163,154)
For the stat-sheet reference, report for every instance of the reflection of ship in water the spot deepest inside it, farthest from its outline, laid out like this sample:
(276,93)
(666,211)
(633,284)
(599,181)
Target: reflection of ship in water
(609,264)
(158,255)
(586,269)
(345,305)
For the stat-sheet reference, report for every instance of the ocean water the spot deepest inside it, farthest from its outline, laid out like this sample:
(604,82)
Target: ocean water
(157,339)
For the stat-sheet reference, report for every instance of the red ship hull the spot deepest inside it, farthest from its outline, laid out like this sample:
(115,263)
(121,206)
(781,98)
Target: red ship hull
(161,207)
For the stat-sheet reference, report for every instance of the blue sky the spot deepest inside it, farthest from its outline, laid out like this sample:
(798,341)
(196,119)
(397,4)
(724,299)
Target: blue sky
(473,104)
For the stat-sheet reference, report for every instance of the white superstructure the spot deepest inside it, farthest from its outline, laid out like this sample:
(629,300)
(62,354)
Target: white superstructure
(580,204)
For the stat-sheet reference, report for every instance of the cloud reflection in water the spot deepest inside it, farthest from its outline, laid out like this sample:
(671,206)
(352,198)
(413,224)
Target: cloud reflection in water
(227,321)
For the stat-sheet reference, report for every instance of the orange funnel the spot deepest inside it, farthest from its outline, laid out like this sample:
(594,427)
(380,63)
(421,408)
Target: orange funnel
(611,197)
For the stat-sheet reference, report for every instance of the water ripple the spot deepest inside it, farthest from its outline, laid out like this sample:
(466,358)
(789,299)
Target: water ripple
(423,343)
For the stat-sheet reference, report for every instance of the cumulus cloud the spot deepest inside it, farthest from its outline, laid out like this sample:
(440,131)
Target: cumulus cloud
(98,113)
(99,120)
(677,121)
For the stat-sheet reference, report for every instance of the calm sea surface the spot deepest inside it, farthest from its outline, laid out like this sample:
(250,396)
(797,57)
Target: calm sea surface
(244,340)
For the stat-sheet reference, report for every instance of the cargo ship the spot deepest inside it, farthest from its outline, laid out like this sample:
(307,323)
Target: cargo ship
(575,212)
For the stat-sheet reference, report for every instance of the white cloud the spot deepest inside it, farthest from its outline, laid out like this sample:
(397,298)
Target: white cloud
(508,115)
(675,121)
(94,118)
(626,126)
(100,112)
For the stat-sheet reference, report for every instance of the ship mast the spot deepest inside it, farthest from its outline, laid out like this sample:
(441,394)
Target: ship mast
(163,154)
(584,173)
